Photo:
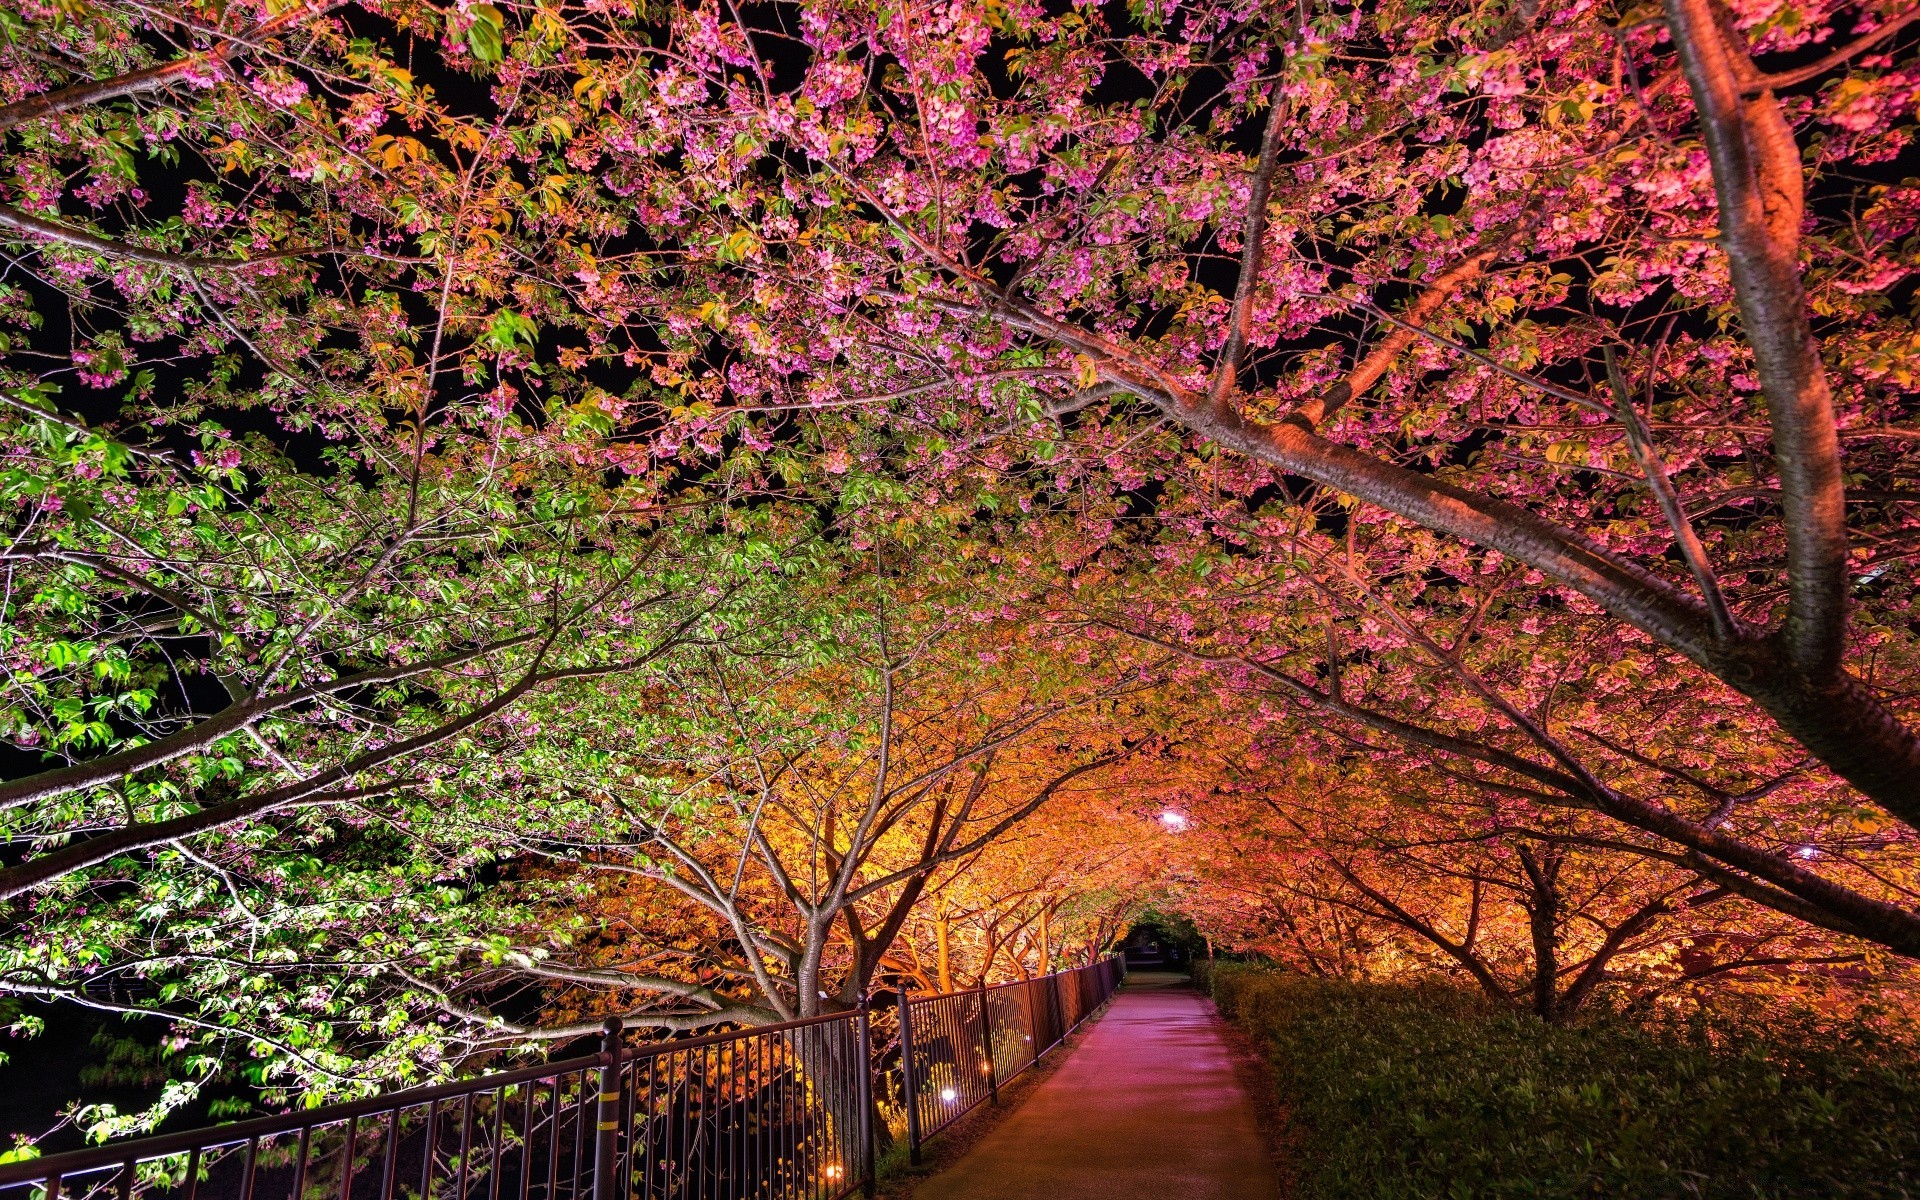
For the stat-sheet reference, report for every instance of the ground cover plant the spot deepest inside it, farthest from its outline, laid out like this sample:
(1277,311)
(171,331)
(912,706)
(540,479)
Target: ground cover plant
(1395,1090)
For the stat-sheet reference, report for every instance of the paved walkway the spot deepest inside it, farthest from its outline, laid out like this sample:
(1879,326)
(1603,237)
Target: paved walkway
(1146,1107)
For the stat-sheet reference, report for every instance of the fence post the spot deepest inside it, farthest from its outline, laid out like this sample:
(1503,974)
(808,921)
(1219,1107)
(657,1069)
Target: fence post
(986,1046)
(869,1155)
(908,1087)
(606,1141)
(1034,1023)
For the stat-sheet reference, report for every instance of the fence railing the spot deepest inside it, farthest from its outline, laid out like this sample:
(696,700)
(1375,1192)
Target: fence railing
(957,1049)
(781,1112)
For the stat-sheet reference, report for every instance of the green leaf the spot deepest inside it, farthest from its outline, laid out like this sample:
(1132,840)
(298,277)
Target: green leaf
(486,37)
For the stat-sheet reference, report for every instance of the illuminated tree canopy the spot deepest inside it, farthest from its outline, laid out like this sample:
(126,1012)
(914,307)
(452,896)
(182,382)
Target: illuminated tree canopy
(518,510)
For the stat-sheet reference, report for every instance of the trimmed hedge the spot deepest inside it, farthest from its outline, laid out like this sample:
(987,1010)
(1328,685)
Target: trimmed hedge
(1398,1092)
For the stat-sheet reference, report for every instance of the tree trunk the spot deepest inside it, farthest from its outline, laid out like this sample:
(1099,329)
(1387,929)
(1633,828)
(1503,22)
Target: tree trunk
(941,934)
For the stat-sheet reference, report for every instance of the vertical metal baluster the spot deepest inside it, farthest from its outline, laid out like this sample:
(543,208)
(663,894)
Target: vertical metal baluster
(709,1119)
(430,1135)
(802,1111)
(778,1128)
(986,1047)
(300,1163)
(763,1160)
(766,1099)
(499,1142)
(683,1092)
(246,1169)
(720,1088)
(797,1115)
(806,1102)
(715,1118)
(863,1087)
(691,1080)
(838,1103)
(711,1165)
(630,1118)
(629,1074)
(1033,1021)
(466,1145)
(849,1092)
(650,1168)
(827,1107)
(789,1136)
(821,1097)
(779,1080)
(53,1188)
(1039,1014)
(703,1123)
(193,1173)
(528,1091)
(390,1158)
(909,1091)
(579,1133)
(126,1180)
(821,1144)
(553,1145)
(807,1162)
(680,1137)
(346,1159)
(841,1108)
(738,1053)
(783,1132)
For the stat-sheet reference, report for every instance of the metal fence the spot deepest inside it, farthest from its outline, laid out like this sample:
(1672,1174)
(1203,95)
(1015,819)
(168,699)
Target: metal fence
(957,1049)
(781,1112)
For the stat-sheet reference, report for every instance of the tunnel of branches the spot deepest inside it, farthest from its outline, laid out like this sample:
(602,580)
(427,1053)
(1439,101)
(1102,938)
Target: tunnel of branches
(700,511)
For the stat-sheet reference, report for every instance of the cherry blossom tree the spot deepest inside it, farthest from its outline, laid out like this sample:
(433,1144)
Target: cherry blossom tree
(453,454)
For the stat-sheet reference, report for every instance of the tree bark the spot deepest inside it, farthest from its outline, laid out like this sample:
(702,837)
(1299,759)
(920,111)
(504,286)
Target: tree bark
(1758,181)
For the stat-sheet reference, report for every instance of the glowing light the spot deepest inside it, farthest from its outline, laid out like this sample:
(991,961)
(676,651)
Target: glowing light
(833,1172)
(1173,820)
(948,1095)
(1808,852)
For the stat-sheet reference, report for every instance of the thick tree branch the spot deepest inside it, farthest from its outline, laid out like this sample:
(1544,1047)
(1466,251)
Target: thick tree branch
(1757,178)
(78,856)
(232,719)
(1314,413)
(1253,245)
(1641,444)
(1820,66)
(53,231)
(155,78)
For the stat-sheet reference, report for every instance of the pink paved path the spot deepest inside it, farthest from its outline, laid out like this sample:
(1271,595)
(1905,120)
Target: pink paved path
(1146,1107)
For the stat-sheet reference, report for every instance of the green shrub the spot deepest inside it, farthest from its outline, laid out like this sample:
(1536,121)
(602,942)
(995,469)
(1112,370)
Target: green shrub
(1427,1092)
